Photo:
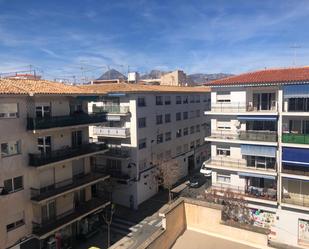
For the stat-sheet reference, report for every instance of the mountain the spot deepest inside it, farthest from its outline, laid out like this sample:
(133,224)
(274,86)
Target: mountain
(112,74)
(199,78)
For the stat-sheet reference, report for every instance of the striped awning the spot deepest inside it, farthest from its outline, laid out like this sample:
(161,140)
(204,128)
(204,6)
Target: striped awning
(244,174)
(257,118)
(258,150)
(295,156)
(296,91)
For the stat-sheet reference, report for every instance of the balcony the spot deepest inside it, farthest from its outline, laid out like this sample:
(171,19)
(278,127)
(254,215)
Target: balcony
(295,170)
(66,186)
(296,199)
(228,107)
(269,194)
(79,212)
(116,132)
(268,136)
(39,159)
(118,152)
(115,174)
(295,192)
(239,164)
(64,121)
(112,109)
(295,138)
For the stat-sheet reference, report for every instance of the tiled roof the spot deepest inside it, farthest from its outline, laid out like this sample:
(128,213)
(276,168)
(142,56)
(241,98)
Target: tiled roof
(136,88)
(45,87)
(273,76)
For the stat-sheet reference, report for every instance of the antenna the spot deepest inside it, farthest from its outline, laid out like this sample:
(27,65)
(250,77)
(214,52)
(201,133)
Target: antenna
(295,47)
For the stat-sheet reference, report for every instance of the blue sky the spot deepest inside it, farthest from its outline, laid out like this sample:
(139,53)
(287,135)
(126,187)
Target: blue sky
(59,37)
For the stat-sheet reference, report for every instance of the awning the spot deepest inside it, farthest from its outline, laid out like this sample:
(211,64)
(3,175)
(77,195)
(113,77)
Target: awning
(116,94)
(257,150)
(87,98)
(295,156)
(257,118)
(296,91)
(256,175)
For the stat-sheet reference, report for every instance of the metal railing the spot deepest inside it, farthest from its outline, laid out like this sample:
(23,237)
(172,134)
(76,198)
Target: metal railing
(63,121)
(114,109)
(118,152)
(296,199)
(295,138)
(240,107)
(268,136)
(295,171)
(238,163)
(249,191)
(112,131)
(40,159)
(117,174)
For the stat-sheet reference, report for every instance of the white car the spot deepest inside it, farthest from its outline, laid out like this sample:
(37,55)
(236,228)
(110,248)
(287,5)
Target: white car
(206,172)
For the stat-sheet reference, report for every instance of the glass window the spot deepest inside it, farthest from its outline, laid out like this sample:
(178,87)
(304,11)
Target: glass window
(159,138)
(8,185)
(159,100)
(178,116)
(43,111)
(197,99)
(142,143)
(159,119)
(9,110)
(141,122)
(167,100)
(76,136)
(44,144)
(223,152)
(192,129)
(192,114)
(14,184)
(178,100)
(191,98)
(10,148)
(185,100)
(167,118)
(168,136)
(141,101)
(185,115)
(185,131)
(223,178)
(178,133)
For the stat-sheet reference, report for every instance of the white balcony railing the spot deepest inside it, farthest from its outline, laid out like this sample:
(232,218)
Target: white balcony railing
(121,132)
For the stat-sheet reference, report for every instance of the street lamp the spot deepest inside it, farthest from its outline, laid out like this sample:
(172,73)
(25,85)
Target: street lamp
(108,217)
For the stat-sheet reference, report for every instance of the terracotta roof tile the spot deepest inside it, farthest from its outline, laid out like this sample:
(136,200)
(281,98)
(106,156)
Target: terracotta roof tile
(275,76)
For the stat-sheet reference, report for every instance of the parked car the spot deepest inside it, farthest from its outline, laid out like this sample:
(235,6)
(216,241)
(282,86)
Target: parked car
(205,171)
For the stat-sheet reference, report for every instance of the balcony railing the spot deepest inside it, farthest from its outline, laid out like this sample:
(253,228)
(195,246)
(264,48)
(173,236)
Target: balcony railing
(248,191)
(83,209)
(226,162)
(267,136)
(116,174)
(121,132)
(114,109)
(118,152)
(295,138)
(295,170)
(64,186)
(239,107)
(296,199)
(40,159)
(63,121)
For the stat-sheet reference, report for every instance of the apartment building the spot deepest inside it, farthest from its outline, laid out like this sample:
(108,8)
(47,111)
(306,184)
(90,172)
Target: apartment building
(149,127)
(48,185)
(259,147)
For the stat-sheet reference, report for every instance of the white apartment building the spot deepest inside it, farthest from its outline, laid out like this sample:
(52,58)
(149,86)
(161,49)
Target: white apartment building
(148,127)
(48,187)
(259,147)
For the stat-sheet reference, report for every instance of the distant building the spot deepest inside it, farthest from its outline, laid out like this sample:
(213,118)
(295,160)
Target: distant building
(176,78)
(133,77)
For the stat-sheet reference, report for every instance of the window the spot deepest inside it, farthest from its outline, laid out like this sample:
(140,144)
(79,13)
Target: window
(222,125)
(9,110)
(159,100)
(198,128)
(159,119)
(168,136)
(191,98)
(43,111)
(10,148)
(167,118)
(44,144)
(185,131)
(14,225)
(223,96)
(178,100)
(192,114)
(223,151)
(192,129)
(197,113)
(223,178)
(141,122)
(167,100)
(141,101)
(77,138)
(159,138)
(178,133)
(197,99)
(185,115)
(14,184)
(178,116)
(142,143)
(185,100)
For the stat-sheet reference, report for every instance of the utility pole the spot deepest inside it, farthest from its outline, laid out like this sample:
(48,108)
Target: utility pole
(108,217)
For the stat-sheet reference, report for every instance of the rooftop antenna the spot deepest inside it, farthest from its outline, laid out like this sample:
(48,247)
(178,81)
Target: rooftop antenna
(295,47)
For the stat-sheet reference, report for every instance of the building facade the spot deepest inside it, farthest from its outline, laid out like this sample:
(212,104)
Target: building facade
(259,147)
